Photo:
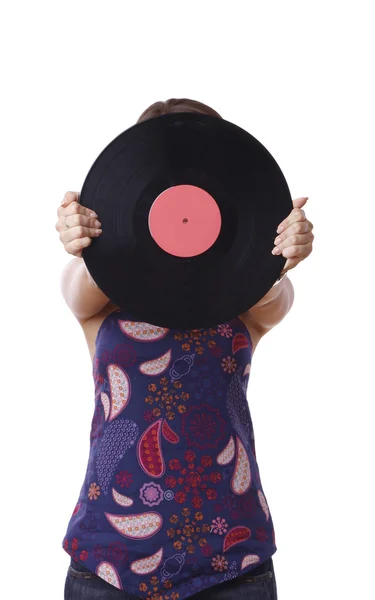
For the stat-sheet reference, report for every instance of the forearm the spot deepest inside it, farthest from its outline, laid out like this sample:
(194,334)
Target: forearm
(80,291)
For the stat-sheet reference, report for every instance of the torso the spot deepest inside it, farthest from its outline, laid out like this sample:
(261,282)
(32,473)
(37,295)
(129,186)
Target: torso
(172,465)
(91,327)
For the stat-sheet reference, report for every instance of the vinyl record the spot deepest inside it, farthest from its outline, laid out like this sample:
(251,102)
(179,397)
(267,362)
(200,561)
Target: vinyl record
(189,206)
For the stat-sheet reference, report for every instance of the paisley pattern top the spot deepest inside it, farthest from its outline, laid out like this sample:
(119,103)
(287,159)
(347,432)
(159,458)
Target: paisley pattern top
(172,502)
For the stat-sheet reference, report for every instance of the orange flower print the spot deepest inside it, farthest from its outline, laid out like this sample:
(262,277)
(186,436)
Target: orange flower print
(229,364)
(196,334)
(94,491)
(167,396)
(142,587)
(219,563)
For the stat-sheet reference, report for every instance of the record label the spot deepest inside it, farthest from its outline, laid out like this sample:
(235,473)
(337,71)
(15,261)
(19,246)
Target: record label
(185,220)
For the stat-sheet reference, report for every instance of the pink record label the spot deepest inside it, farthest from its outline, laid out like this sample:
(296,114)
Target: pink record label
(184,220)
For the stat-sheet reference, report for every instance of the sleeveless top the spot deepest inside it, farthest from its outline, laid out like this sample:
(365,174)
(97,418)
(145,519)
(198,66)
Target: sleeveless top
(172,502)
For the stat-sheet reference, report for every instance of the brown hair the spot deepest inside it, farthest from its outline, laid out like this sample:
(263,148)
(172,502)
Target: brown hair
(175,105)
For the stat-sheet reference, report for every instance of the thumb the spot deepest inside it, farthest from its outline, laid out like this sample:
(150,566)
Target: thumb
(299,202)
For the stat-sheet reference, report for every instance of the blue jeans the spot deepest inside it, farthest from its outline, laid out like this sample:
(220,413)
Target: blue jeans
(257,584)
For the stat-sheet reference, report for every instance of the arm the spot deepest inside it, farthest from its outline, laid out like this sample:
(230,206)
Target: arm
(273,307)
(294,242)
(80,291)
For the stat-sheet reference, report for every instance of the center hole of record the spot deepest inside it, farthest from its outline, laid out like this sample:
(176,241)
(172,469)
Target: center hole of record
(185,220)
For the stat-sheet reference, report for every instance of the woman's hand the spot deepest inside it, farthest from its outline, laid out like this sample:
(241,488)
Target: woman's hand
(295,237)
(77,224)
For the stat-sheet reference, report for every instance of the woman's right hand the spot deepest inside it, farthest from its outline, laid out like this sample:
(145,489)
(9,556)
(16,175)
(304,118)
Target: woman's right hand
(83,224)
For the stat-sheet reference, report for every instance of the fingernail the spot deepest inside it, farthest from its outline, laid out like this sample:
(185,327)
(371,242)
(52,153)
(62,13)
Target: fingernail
(279,229)
(93,214)
(63,203)
(276,250)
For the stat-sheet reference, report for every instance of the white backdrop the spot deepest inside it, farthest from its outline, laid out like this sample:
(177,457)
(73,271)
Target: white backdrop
(298,76)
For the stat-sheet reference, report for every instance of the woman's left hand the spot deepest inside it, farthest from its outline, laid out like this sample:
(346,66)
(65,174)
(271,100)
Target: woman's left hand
(295,237)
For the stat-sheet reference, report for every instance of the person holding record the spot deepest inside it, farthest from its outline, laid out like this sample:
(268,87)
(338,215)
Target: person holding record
(172,504)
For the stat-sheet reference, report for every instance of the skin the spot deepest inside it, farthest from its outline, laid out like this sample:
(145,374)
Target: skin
(90,306)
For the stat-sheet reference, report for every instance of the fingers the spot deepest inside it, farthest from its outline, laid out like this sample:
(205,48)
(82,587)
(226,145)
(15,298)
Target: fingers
(76,224)
(296,240)
(77,219)
(297,228)
(70,197)
(76,245)
(74,208)
(300,248)
(297,214)
(70,205)
(74,214)
(79,231)
(295,237)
